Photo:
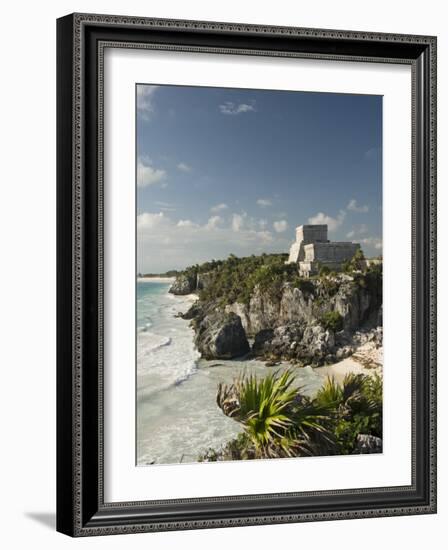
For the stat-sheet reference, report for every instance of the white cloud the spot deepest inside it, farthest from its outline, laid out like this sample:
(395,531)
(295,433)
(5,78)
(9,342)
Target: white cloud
(280,226)
(357,230)
(165,243)
(243,222)
(354,207)
(231,108)
(264,236)
(264,202)
(184,167)
(371,244)
(145,104)
(149,220)
(237,222)
(186,223)
(147,175)
(219,207)
(333,223)
(214,222)
(376,242)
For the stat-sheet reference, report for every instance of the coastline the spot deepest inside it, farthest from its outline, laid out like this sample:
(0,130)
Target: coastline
(156,279)
(178,419)
(315,376)
(226,370)
(172,400)
(367,360)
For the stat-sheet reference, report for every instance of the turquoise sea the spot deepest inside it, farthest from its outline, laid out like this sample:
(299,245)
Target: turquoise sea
(177,415)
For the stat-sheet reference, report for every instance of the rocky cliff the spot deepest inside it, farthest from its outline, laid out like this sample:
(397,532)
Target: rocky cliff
(308,321)
(189,283)
(220,335)
(356,300)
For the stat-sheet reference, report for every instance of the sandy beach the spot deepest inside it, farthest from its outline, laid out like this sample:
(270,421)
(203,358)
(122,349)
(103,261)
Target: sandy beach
(367,359)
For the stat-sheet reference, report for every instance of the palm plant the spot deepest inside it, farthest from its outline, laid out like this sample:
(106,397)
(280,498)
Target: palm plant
(355,407)
(260,405)
(277,419)
(330,393)
(310,432)
(265,410)
(280,421)
(346,396)
(373,391)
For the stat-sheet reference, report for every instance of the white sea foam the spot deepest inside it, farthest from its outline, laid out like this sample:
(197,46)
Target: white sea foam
(165,350)
(150,342)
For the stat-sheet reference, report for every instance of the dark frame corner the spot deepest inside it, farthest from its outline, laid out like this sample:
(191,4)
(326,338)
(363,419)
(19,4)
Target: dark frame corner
(81,510)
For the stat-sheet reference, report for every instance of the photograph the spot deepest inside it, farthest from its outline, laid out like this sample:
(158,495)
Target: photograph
(246,272)
(259,274)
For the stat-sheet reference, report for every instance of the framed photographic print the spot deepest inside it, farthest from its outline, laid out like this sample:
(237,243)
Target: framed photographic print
(246,274)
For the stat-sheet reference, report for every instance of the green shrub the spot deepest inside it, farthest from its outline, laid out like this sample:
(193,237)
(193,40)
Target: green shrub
(234,279)
(359,255)
(356,407)
(330,285)
(305,285)
(279,421)
(332,320)
(357,263)
(372,282)
(239,448)
(346,267)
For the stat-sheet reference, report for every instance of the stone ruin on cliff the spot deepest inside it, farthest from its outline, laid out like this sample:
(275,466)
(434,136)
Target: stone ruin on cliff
(312,250)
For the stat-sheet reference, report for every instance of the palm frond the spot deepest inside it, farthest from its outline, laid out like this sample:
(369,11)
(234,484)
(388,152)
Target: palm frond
(331,394)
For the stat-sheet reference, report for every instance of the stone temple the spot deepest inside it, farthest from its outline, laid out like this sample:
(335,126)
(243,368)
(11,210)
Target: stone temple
(312,250)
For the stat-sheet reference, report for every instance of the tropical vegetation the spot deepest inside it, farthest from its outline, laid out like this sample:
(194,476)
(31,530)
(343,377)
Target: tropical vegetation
(278,420)
(234,279)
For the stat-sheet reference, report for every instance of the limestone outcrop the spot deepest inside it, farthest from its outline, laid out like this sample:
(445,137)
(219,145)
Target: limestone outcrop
(299,341)
(368,444)
(309,321)
(188,283)
(220,335)
(184,284)
(357,301)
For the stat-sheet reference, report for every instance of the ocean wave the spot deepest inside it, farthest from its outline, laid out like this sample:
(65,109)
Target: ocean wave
(166,355)
(164,362)
(156,386)
(150,342)
(145,327)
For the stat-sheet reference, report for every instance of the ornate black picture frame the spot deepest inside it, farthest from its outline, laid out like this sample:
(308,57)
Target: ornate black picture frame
(81,509)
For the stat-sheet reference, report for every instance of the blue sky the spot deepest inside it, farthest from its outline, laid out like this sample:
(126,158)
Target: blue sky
(223,171)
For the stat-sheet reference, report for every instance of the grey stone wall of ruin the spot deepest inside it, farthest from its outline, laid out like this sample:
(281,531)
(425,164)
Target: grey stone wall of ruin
(294,253)
(312,233)
(306,234)
(330,252)
(312,249)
